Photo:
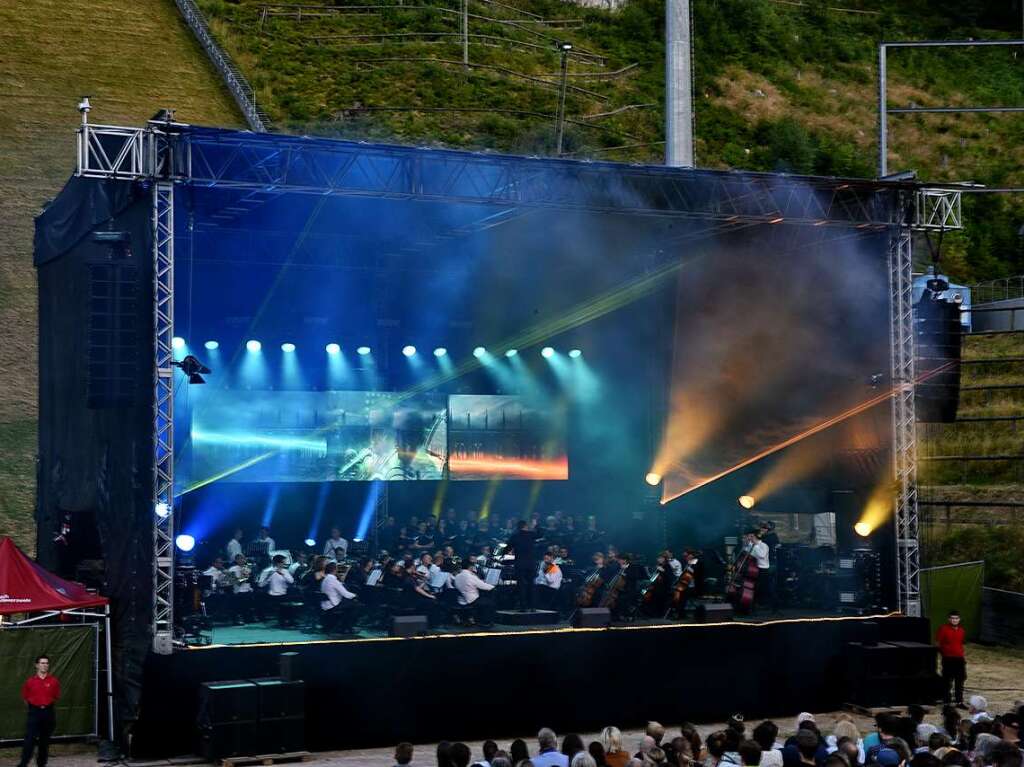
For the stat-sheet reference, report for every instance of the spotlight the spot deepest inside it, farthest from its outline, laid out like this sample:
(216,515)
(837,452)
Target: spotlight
(185,542)
(288,347)
(746,501)
(409,350)
(479,352)
(211,345)
(574,353)
(310,542)
(362,351)
(192,367)
(863,529)
(511,352)
(253,345)
(178,342)
(333,349)
(652,478)
(440,351)
(162,510)
(547,352)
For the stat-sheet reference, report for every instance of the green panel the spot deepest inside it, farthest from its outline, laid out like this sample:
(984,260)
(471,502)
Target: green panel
(72,652)
(954,588)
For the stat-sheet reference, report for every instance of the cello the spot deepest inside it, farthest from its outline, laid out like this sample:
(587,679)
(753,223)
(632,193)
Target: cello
(678,596)
(653,591)
(740,591)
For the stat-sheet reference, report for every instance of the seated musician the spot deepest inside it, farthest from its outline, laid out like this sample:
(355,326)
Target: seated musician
(694,561)
(217,596)
(336,547)
(299,566)
(547,583)
(275,585)
(674,564)
(356,580)
(625,605)
(241,586)
(415,596)
(469,585)
(339,604)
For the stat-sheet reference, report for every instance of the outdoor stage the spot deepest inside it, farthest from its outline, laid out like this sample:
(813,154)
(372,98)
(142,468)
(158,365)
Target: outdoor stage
(661,336)
(369,692)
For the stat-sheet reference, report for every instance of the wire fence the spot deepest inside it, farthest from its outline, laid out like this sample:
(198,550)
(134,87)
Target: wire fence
(997,290)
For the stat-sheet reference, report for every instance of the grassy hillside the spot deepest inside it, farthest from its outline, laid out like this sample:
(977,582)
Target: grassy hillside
(778,87)
(132,57)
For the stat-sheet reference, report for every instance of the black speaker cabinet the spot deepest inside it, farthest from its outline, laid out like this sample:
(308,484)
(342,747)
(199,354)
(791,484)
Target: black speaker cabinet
(279,736)
(592,618)
(279,699)
(408,625)
(230,739)
(227,702)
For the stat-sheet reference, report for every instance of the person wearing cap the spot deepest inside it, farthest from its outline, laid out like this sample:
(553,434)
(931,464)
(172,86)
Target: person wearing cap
(1011,728)
(950,639)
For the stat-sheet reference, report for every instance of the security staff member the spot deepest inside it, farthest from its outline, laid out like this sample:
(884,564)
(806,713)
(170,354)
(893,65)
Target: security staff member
(40,692)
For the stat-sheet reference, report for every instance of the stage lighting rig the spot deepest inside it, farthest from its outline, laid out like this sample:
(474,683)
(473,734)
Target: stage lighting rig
(652,478)
(193,368)
(747,501)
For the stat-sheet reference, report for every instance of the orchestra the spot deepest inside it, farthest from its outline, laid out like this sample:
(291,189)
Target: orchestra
(459,572)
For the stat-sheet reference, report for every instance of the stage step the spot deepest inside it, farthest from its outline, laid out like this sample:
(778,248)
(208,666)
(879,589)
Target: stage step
(527,618)
(266,759)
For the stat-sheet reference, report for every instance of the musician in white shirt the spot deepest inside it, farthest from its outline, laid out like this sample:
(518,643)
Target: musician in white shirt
(336,548)
(548,582)
(761,553)
(264,538)
(234,547)
(240,574)
(434,578)
(338,605)
(674,564)
(469,585)
(275,581)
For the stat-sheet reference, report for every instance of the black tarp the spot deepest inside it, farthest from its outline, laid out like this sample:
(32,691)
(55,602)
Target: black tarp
(97,461)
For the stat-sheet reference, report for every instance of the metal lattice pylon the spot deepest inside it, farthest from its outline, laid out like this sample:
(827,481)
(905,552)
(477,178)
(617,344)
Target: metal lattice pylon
(163,417)
(901,314)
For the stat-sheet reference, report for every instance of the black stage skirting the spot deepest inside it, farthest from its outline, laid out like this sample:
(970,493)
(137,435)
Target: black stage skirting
(378,692)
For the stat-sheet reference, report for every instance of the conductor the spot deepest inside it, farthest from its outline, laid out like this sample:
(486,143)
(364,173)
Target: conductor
(523,544)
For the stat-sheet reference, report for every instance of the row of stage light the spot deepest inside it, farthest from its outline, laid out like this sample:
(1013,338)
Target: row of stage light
(409,350)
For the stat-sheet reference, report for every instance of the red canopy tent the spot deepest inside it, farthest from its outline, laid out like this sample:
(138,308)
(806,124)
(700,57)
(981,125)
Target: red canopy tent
(28,588)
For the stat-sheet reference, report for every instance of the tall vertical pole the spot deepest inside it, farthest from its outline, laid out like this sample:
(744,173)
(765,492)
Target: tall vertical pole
(883,115)
(560,115)
(678,85)
(465,32)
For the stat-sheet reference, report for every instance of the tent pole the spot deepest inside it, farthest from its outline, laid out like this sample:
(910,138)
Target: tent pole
(110,674)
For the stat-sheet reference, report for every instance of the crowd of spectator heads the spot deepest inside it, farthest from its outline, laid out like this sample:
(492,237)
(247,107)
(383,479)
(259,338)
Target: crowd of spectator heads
(899,739)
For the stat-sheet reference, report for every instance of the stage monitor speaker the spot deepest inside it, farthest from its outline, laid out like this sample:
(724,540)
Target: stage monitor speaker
(592,618)
(279,699)
(226,702)
(279,736)
(713,611)
(230,739)
(408,625)
(288,665)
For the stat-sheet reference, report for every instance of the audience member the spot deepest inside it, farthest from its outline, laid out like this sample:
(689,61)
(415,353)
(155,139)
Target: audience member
(518,751)
(583,759)
(656,730)
(461,755)
(596,751)
(978,710)
(549,755)
(750,753)
(490,749)
(403,753)
(765,734)
(572,744)
(615,754)
(444,754)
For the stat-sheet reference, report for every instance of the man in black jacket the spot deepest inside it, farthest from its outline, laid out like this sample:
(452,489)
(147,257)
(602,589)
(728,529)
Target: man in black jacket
(523,544)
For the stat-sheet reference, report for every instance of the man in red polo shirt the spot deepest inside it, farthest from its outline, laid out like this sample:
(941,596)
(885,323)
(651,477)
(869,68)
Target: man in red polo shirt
(950,639)
(39,692)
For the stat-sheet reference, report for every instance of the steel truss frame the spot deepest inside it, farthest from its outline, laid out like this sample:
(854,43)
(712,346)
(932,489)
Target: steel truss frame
(278,164)
(904,422)
(162,508)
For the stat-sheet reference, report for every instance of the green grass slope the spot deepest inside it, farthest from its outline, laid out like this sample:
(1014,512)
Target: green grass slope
(778,86)
(132,57)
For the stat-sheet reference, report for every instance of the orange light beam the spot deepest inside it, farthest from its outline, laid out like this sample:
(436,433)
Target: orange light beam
(819,427)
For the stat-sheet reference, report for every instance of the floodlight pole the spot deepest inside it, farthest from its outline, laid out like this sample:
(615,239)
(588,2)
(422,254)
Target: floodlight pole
(465,32)
(678,84)
(560,115)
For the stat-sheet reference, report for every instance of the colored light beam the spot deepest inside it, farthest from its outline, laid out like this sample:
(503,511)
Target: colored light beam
(531,503)
(818,427)
(318,513)
(442,489)
(366,518)
(492,490)
(271,507)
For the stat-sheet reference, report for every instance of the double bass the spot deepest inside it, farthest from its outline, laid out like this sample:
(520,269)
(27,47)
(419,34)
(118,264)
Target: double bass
(740,591)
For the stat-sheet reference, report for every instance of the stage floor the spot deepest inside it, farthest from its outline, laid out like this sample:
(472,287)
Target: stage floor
(260,633)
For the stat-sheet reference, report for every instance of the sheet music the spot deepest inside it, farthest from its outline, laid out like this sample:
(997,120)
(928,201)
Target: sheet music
(374,577)
(492,575)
